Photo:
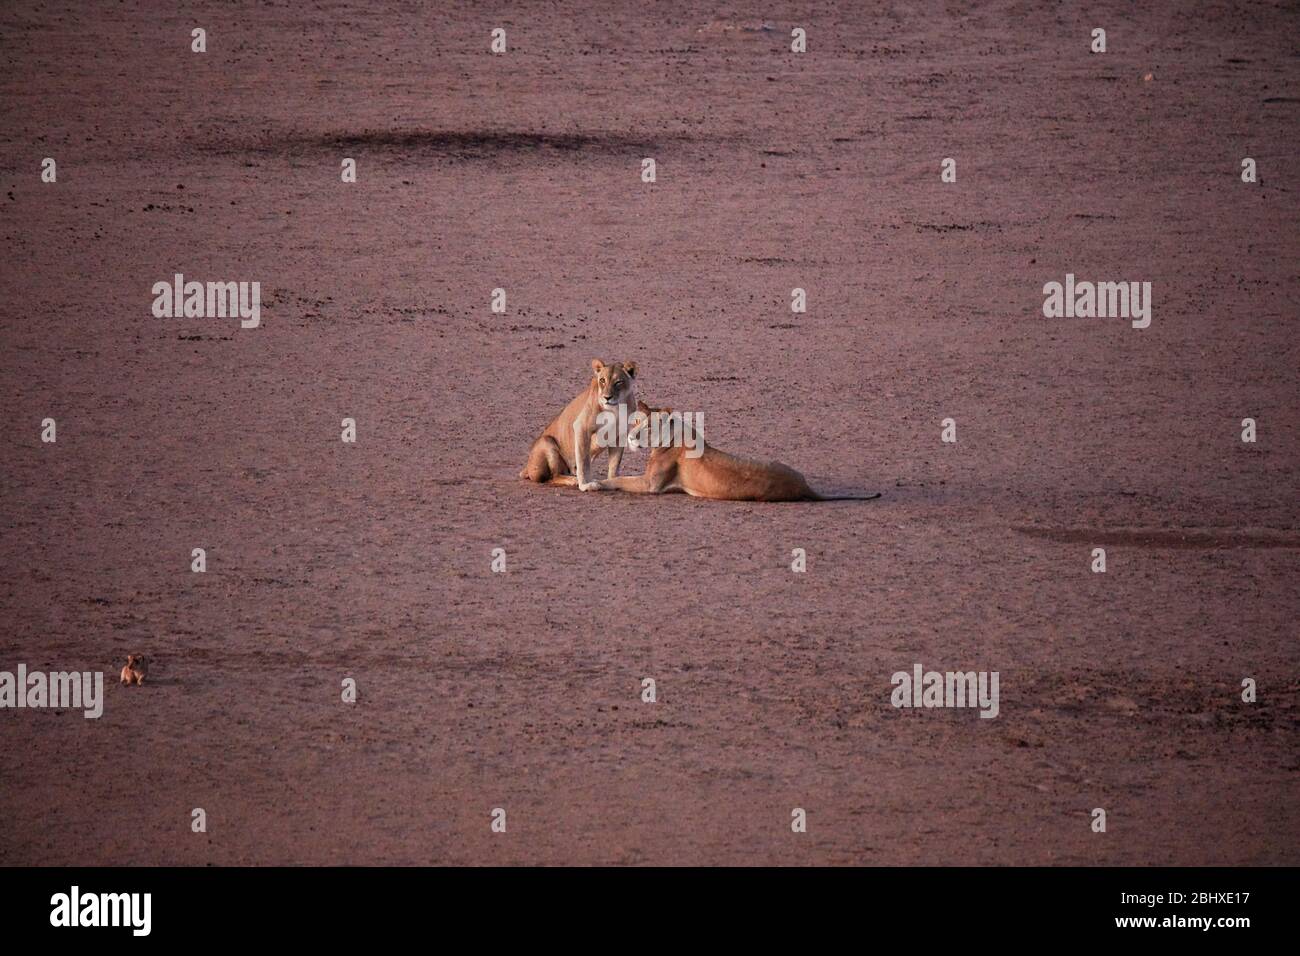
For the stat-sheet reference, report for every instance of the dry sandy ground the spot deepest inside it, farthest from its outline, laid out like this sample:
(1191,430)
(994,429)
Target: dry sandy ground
(478,690)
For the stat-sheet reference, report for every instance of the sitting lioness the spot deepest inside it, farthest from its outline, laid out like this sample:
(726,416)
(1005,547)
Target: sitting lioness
(565,446)
(707,472)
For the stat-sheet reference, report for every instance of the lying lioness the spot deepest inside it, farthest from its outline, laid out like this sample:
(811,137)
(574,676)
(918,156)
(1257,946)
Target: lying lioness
(565,445)
(707,472)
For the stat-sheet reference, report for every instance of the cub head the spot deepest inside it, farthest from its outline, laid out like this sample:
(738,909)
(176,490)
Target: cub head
(135,660)
(615,384)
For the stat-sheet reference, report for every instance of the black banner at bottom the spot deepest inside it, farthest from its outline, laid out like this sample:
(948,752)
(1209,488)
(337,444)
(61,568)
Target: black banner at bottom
(338,905)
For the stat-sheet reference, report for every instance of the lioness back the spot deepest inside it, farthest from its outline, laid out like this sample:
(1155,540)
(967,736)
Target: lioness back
(727,477)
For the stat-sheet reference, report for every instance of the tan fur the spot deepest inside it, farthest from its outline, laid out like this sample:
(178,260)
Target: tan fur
(137,666)
(712,474)
(565,446)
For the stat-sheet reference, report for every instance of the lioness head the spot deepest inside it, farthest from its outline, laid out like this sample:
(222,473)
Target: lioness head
(647,422)
(614,383)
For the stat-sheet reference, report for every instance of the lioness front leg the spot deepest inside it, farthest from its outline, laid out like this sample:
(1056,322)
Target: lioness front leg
(582,457)
(636,484)
(615,459)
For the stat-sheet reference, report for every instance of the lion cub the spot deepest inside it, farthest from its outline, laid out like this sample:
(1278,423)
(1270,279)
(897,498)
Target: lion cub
(137,666)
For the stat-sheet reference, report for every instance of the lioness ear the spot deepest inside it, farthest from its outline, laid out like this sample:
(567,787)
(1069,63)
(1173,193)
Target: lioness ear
(630,368)
(597,366)
(643,408)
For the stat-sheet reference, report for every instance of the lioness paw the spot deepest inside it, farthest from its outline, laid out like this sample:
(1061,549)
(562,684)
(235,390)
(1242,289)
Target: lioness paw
(590,486)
